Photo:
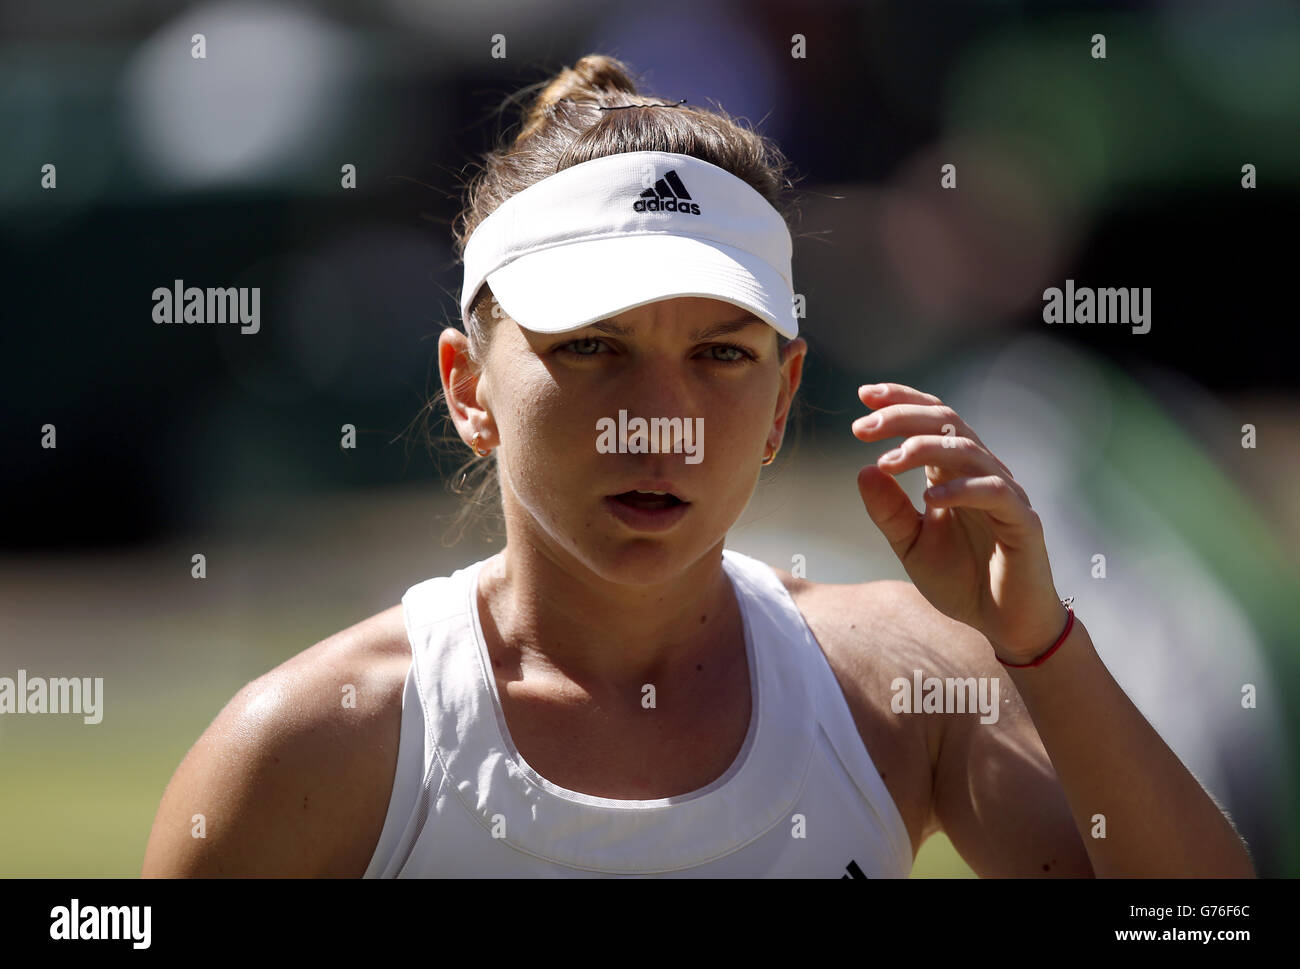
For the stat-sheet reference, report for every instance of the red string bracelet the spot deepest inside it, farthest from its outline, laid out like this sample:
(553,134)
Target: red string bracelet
(1069,624)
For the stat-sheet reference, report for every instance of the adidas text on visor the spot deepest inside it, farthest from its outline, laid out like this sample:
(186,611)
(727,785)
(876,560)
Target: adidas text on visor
(617,232)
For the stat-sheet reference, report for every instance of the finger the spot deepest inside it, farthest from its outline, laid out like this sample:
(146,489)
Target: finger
(903,420)
(993,495)
(956,455)
(960,456)
(877,395)
(890,508)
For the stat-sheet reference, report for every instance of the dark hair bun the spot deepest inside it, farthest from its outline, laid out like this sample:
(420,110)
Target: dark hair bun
(596,77)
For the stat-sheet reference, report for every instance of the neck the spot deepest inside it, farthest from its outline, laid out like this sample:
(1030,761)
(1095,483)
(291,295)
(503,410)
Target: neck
(559,617)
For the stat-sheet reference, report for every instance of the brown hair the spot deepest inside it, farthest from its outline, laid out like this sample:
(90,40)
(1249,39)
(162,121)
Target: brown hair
(564,125)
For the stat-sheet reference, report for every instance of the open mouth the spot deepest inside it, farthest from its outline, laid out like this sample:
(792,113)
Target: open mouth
(648,500)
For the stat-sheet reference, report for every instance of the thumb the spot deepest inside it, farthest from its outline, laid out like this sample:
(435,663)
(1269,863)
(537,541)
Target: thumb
(890,508)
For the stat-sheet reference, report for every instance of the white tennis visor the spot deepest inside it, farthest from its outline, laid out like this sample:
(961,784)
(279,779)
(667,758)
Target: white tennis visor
(614,233)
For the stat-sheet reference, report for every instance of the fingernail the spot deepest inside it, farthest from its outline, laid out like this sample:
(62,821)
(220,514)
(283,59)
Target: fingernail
(893,455)
(871,423)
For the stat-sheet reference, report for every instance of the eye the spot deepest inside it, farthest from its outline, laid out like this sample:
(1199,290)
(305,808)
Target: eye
(730,353)
(733,353)
(586,347)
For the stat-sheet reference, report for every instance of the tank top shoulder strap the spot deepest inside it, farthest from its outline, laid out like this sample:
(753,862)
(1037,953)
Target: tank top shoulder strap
(790,633)
(427,607)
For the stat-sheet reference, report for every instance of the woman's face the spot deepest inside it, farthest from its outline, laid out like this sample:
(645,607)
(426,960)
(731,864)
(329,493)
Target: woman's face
(561,410)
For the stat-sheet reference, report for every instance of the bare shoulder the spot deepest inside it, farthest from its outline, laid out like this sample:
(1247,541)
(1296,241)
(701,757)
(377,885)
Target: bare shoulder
(891,617)
(872,633)
(294,775)
(990,787)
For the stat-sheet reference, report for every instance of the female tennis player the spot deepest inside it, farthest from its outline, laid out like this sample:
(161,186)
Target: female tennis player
(617,693)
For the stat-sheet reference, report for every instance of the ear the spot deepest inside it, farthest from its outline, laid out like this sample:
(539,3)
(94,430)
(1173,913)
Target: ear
(792,358)
(465,388)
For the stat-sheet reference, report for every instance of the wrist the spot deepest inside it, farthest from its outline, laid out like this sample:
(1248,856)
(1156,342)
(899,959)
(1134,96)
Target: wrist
(1035,642)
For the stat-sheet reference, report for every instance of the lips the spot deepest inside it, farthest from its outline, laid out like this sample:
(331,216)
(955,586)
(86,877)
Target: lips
(644,511)
(647,500)
(648,488)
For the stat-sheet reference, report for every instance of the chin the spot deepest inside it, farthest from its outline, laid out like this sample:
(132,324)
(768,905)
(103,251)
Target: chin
(640,560)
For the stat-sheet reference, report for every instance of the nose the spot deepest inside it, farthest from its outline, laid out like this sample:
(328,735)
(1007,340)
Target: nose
(659,385)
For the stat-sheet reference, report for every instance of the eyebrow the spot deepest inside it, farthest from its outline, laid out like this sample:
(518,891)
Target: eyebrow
(718,329)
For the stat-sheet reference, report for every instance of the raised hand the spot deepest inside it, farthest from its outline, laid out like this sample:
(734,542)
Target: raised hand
(977,551)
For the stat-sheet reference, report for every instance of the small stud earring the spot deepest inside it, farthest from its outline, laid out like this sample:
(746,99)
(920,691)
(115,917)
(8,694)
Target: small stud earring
(475,446)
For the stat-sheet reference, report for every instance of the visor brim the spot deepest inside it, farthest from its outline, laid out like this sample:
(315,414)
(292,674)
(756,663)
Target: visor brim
(567,287)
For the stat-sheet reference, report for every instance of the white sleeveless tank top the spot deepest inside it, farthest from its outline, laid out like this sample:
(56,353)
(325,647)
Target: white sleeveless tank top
(801,799)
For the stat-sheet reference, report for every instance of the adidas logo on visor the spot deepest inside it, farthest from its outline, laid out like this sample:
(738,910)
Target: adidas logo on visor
(668,195)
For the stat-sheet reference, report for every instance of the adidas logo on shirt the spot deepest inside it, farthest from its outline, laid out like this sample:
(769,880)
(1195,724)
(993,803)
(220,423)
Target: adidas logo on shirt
(854,870)
(668,195)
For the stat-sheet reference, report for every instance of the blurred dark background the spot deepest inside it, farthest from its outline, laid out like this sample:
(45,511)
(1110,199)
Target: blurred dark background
(1123,171)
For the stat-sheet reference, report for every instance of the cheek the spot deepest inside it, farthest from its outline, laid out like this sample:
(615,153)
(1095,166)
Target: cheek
(548,422)
(547,437)
(741,423)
